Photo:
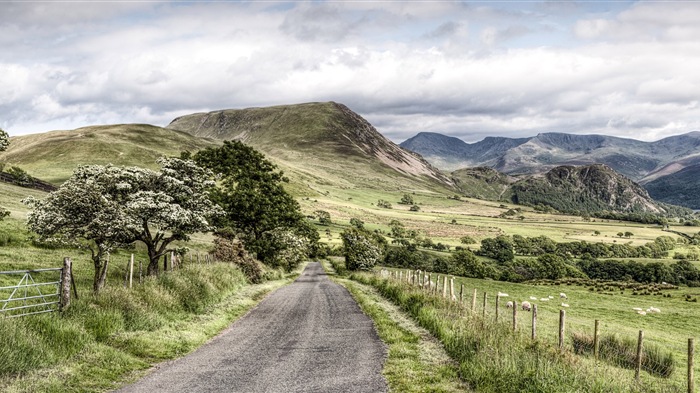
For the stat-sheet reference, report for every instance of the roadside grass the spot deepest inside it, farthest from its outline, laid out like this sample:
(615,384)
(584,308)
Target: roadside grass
(493,359)
(416,362)
(105,341)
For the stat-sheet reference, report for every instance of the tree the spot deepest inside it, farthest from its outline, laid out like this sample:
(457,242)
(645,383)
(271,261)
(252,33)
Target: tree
(628,234)
(467,240)
(406,199)
(360,250)
(620,234)
(4,140)
(253,198)
(499,248)
(357,223)
(468,265)
(398,230)
(324,218)
(414,208)
(104,207)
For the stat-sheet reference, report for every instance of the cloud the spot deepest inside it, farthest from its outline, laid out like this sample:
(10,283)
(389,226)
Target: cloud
(470,71)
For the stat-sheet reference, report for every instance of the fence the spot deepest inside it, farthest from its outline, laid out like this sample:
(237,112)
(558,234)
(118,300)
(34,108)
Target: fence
(623,347)
(36,296)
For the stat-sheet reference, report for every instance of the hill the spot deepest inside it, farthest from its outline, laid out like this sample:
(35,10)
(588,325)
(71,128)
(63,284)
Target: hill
(591,188)
(638,160)
(320,143)
(482,183)
(52,156)
(680,188)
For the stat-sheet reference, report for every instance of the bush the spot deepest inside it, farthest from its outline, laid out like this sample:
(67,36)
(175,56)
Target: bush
(360,250)
(233,251)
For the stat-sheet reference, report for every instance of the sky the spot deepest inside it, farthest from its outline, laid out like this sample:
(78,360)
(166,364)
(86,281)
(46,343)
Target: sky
(465,69)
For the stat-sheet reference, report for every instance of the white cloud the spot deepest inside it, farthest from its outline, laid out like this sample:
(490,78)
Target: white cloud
(409,67)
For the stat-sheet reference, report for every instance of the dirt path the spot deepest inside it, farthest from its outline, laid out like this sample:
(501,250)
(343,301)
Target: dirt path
(309,336)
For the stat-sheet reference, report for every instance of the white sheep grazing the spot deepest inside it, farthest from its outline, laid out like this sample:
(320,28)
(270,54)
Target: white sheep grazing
(551,297)
(501,294)
(533,298)
(653,309)
(642,312)
(526,306)
(509,304)
(637,309)
(562,295)
(544,299)
(564,305)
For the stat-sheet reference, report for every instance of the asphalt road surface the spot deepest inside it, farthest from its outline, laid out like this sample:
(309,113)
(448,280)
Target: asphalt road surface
(309,336)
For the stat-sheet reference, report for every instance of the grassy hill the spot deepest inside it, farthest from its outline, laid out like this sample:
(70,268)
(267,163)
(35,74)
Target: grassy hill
(52,156)
(482,183)
(322,144)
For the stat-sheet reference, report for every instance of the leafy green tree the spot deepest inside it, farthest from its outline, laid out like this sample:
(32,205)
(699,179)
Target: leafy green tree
(620,234)
(357,223)
(324,218)
(384,204)
(468,265)
(414,208)
(255,202)
(499,248)
(406,199)
(360,249)
(628,234)
(467,240)
(398,230)
(552,266)
(104,207)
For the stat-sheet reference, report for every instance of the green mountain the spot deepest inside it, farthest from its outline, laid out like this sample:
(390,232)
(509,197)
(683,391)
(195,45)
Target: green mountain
(52,156)
(680,188)
(319,143)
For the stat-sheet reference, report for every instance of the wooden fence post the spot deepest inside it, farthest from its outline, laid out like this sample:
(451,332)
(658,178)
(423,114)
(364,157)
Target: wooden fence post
(498,300)
(461,293)
(444,288)
(452,289)
(515,316)
(474,300)
(165,263)
(691,365)
(596,339)
(66,279)
(638,363)
(172,260)
(131,271)
(562,322)
(485,296)
(534,322)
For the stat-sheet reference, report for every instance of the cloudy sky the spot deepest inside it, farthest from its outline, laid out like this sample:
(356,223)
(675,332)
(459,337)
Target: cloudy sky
(467,69)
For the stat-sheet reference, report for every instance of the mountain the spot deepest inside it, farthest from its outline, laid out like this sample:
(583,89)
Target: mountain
(325,143)
(679,188)
(641,161)
(52,156)
(590,188)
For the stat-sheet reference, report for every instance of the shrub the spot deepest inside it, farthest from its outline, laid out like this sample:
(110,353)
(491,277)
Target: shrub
(360,250)
(233,251)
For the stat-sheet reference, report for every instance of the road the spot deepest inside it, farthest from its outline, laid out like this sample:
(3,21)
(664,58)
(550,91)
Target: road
(309,336)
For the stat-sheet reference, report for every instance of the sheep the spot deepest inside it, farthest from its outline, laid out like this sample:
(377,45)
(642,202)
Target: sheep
(562,295)
(526,306)
(544,299)
(564,305)
(551,297)
(509,305)
(642,312)
(637,309)
(501,294)
(533,298)
(653,309)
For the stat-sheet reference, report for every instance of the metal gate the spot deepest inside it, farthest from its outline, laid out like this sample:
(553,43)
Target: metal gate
(27,297)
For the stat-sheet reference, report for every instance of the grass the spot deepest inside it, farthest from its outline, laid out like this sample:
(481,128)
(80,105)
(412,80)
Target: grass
(416,362)
(493,359)
(103,341)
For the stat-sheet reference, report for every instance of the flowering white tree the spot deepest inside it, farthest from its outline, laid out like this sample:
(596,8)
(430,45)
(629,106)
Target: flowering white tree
(104,207)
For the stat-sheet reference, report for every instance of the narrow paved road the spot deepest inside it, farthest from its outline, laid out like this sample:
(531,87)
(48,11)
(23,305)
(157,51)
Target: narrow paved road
(309,336)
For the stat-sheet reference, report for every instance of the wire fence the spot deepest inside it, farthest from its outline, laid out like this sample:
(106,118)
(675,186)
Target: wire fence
(649,361)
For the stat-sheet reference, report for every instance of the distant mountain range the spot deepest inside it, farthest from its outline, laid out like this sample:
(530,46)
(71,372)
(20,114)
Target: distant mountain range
(666,168)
